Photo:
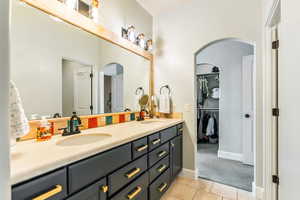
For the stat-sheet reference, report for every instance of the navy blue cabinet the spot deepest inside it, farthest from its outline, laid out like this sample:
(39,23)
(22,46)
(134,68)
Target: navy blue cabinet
(139,170)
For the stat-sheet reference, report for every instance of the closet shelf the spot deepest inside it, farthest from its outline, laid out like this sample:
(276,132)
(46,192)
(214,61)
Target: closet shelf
(210,74)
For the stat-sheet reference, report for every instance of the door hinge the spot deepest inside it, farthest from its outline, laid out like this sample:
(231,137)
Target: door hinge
(91,75)
(275,112)
(275,179)
(91,107)
(275,44)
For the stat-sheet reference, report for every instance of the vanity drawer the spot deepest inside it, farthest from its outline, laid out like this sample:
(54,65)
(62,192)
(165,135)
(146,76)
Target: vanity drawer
(126,174)
(139,147)
(159,168)
(158,154)
(91,169)
(52,186)
(138,190)
(96,191)
(154,141)
(168,134)
(159,186)
(180,129)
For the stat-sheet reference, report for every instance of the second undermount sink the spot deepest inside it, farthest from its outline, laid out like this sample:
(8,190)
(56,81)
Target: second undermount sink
(83,139)
(151,121)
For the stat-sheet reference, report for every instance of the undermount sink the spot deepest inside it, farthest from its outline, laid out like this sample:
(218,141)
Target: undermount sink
(83,139)
(151,121)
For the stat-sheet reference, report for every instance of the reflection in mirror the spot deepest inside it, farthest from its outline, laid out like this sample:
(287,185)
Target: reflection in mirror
(59,68)
(113,88)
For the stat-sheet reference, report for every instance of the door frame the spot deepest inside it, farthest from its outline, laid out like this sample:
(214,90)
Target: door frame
(272,20)
(256,191)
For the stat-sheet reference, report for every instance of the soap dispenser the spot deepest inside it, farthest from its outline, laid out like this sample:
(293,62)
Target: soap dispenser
(43,131)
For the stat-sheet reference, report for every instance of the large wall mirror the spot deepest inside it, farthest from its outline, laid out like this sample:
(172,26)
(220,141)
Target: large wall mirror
(59,68)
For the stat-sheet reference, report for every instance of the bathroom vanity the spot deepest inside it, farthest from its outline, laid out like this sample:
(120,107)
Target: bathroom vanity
(139,161)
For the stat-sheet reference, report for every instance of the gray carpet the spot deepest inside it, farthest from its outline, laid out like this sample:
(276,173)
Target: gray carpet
(224,171)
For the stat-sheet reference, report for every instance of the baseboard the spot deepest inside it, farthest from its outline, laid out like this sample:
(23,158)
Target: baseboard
(188,173)
(230,155)
(257,192)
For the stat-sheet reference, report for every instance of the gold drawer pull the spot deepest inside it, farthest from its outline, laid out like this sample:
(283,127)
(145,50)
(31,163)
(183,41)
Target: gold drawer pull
(162,187)
(154,142)
(181,129)
(133,173)
(161,154)
(142,148)
(104,188)
(56,190)
(134,193)
(162,168)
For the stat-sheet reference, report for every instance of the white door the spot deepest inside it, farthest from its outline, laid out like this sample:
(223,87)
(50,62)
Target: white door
(117,93)
(82,90)
(248,118)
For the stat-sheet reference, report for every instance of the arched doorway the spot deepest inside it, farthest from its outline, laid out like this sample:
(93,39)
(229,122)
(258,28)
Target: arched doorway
(225,83)
(111,88)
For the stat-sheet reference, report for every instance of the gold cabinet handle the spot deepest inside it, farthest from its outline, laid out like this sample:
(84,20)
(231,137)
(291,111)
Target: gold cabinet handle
(133,173)
(104,188)
(56,190)
(154,142)
(162,168)
(134,193)
(142,148)
(162,187)
(161,154)
(181,129)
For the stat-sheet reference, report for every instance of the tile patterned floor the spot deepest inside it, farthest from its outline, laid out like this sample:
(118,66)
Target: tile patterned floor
(189,189)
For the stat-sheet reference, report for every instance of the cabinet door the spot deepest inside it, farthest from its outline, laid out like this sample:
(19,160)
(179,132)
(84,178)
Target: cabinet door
(176,156)
(97,191)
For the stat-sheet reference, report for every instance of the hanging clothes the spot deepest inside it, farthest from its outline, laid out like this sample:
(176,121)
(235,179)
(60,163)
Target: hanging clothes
(210,129)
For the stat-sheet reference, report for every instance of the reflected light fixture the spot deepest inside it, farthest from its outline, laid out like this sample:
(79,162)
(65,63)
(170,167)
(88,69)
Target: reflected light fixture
(95,10)
(71,4)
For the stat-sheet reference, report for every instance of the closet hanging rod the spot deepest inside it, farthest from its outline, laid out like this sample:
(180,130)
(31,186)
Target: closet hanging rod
(208,108)
(210,74)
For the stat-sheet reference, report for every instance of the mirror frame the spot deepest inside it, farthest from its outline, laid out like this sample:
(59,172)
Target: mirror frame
(61,11)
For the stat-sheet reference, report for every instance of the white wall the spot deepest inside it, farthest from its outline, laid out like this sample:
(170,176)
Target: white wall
(115,14)
(289,97)
(180,33)
(38,47)
(228,55)
(4,66)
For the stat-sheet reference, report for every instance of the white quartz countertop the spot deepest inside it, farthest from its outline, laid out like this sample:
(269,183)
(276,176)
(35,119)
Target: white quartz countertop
(31,158)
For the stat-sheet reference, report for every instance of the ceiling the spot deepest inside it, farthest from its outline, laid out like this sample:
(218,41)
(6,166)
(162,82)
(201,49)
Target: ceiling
(155,7)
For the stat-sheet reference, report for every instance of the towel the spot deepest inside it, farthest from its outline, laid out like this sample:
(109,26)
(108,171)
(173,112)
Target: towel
(165,103)
(19,125)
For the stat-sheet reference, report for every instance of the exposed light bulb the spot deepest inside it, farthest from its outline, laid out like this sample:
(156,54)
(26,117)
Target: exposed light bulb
(71,4)
(95,14)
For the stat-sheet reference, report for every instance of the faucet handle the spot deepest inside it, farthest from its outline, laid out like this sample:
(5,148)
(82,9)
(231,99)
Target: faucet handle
(65,130)
(77,127)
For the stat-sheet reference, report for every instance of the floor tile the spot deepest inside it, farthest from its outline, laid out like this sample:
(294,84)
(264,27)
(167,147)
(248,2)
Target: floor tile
(181,192)
(203,195)
(197,184)
(225,191)
(244,195)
